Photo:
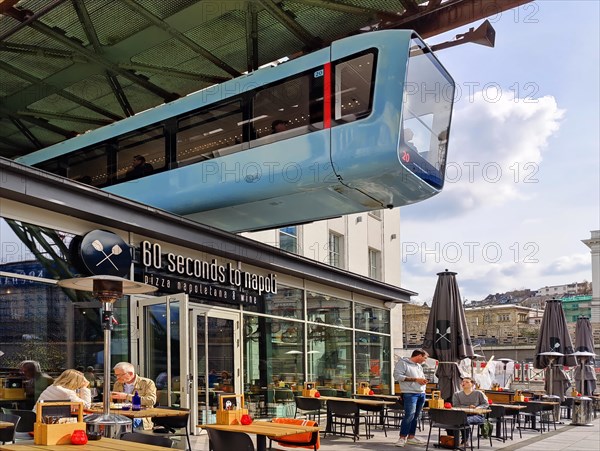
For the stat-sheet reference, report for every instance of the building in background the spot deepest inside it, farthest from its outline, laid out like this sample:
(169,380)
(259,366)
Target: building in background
(594,244)
(367,244)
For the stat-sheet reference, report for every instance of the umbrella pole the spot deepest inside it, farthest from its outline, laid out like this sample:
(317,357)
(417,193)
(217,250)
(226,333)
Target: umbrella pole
(550,388)
(582,363)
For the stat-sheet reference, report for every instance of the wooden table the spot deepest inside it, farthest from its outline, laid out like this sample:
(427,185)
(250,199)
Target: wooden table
(263,429)
(393,398)
(146,412)
(104,444)
(359,401)
(5,424)
(467,410)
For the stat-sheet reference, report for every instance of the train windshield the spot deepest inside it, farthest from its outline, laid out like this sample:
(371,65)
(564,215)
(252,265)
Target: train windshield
(426,113)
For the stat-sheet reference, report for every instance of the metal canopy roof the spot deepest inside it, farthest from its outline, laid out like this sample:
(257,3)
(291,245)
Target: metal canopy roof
(67,66)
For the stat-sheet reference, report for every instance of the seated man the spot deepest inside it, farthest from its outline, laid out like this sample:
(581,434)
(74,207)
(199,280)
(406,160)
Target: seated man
(128,383)
(469,397)
(279,125)
(139,168)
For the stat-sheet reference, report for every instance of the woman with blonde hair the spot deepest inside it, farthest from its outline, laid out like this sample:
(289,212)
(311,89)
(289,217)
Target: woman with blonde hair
(71,385)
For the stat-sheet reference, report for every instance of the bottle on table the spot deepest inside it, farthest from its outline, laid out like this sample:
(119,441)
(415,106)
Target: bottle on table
(136,402)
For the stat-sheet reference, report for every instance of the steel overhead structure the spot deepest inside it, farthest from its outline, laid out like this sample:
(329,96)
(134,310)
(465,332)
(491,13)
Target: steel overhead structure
(69,66)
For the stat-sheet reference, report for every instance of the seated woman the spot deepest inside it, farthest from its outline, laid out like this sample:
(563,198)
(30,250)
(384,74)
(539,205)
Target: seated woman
(71,385)
(469,397)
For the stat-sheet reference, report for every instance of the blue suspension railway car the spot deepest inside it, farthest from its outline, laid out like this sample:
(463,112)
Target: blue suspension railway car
(358,126)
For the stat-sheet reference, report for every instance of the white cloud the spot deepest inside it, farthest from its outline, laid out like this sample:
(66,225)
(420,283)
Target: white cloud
(495,153)
(482,225)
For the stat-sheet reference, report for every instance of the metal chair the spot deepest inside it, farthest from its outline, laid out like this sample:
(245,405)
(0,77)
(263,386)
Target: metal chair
(8,434)
(284,403)
(148,439)
(453,420)
(394,414)
(565,408)
(499,414)
(169,426)
(533,413)
(309,407)
(374,416)
(229,441)
(477,427)
(24,429)
(343,414)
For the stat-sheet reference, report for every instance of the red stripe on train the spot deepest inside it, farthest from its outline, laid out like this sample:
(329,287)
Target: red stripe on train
(327,96)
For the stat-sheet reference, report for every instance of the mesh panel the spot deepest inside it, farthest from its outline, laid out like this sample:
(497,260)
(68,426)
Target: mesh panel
(163,9)
(10,84)
(53,103)
(91,88)
(218,26)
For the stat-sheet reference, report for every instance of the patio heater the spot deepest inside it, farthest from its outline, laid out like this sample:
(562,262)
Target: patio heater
(505,361)
(107,290)
(582,357)
(552,356)
(582,405)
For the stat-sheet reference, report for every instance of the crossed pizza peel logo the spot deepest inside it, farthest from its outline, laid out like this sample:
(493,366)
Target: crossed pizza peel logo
(116,250)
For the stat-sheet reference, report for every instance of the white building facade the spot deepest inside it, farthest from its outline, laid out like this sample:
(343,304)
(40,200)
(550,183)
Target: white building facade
(367,244)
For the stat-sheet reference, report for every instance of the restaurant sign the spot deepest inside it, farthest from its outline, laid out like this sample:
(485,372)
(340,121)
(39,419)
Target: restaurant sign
(178,273)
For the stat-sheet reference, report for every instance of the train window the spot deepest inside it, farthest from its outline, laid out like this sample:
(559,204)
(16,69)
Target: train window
(427,106)
(287,109)
(89,166)
(210,133)
(147,142)
(55,166)
(354,87)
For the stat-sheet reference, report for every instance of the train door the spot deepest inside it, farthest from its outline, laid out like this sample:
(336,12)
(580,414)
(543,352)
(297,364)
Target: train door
(215,360)
(163,346)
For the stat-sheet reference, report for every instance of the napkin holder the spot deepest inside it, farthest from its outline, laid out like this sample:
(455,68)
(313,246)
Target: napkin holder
(436,401)
(518,397)
(309,389)
(364,389)
(56,434)
(12,388)
(231,408)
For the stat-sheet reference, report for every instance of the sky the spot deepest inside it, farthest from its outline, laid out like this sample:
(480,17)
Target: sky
(522,184)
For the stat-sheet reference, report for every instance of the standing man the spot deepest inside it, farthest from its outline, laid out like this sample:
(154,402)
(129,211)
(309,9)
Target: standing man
(409,374)
(128,383)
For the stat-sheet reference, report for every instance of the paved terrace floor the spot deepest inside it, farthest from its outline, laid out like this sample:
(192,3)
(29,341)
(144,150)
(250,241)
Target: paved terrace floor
(566,437)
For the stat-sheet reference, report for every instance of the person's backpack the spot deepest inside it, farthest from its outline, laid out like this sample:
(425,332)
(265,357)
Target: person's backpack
(486,429)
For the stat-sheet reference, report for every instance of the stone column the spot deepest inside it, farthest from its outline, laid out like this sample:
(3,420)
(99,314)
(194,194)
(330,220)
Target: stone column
(594,244)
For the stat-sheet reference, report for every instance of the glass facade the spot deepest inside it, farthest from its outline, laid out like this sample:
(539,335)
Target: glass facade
(55,327)
(341,344)
(291,337)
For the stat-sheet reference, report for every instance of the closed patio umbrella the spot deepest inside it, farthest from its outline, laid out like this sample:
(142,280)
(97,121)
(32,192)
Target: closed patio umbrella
(447,336)
(554,338)
(584,343)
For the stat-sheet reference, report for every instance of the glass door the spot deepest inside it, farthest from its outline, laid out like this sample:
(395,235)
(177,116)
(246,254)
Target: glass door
(163,350)
(215,363)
